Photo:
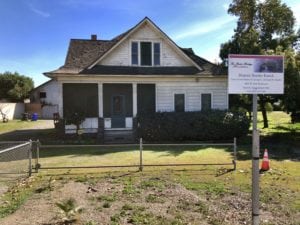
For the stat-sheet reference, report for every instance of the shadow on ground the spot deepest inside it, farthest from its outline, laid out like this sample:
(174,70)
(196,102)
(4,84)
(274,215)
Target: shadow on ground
(281,146)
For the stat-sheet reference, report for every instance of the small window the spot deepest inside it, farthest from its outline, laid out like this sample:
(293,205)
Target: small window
(205,101)
(156,54)
(179,102)
(134,53)
(146,56)
(43,95)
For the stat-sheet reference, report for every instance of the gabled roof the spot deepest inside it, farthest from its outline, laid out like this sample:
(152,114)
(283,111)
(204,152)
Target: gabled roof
(83,56)
(146,20)
(41,85)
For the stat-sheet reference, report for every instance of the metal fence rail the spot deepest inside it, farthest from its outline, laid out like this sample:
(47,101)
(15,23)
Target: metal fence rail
(15,158)
(139,164)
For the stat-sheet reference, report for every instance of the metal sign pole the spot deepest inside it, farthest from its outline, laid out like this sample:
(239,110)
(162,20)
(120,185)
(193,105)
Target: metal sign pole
(255,165)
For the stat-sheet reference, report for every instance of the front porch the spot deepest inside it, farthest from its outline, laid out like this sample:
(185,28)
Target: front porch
(110,108)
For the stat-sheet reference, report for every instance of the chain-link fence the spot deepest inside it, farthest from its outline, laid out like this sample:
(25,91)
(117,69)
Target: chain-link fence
(16,161)
(129,155)
(15,158)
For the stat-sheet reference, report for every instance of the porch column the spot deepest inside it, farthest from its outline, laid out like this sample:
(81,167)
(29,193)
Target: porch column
(100,99)
(60,99)
(134,99)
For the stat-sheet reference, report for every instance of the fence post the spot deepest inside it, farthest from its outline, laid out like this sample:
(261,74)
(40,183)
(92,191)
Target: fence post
(141,155)
(30,158)
(37,165)
(234,153)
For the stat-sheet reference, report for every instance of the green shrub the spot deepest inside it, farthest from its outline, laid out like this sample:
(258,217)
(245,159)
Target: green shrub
(201,126)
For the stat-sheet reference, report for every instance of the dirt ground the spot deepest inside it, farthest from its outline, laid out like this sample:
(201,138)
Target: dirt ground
(142,200)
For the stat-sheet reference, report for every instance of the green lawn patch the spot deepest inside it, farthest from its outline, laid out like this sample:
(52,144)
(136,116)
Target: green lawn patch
(13,125)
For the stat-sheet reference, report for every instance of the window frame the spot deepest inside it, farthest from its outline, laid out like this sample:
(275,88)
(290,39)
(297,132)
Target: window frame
(174,100)
(153,53)
(211,99)
(131,53)
(148,44)
(153,42)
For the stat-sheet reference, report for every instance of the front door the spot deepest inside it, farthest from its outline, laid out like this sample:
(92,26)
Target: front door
(118,111)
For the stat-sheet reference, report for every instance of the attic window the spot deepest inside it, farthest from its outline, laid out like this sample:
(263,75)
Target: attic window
(156,54)
(145,53)
(146,56)
(134,53)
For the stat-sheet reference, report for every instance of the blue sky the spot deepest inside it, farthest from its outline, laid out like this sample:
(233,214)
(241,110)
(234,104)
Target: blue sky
(35,33)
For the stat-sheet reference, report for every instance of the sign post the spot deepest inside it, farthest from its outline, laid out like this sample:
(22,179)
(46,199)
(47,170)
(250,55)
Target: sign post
(255,164)
(255,74)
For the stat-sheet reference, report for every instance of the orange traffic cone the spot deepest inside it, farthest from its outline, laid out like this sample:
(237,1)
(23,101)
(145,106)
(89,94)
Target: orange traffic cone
(265,166)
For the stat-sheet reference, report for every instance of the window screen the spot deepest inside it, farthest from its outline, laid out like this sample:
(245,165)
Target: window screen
(146,56)
(156,54)
(134,53)
(179,102)
(205,101)
(80,98)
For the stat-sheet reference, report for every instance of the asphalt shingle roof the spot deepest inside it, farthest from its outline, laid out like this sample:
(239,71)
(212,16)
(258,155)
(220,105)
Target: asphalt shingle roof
(82,53)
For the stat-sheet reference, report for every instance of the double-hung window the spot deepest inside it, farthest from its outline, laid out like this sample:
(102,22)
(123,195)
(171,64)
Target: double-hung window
(145,53)
(205,101)
(179,103)
(156,54)
(134,53)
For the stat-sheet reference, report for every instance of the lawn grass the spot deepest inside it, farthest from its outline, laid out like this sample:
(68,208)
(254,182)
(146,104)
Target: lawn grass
(13,125)
(97,156)
(279,122)
(214,185)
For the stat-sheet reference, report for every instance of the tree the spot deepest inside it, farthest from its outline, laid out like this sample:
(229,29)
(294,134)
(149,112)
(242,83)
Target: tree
(262,27)
(15,87)
(291,98)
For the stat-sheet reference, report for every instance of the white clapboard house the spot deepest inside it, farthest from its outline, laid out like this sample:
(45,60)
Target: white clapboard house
(139,70)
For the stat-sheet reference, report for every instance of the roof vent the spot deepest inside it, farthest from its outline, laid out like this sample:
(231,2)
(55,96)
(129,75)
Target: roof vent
(94,37)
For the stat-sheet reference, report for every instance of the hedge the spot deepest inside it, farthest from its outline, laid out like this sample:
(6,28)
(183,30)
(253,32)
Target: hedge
(194,126)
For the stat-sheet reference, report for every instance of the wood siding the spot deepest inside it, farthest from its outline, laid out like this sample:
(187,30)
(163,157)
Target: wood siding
(166,87)
(121,56)
(165,95)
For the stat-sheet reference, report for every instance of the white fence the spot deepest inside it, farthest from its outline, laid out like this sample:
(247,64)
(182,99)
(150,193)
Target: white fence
(12,110)
(15,110)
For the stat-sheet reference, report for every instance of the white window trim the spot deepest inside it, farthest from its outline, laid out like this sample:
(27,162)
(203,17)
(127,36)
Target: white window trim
(185,98)
(152,52)
(211,99)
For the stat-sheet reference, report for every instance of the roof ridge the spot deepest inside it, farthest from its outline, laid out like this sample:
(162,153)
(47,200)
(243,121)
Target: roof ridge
(78,39)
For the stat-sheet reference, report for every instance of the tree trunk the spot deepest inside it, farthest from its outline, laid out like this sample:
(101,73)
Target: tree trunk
(262,104)
(250,114)
(265,117)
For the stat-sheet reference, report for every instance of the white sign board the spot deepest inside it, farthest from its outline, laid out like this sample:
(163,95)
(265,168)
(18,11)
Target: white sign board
(255,74)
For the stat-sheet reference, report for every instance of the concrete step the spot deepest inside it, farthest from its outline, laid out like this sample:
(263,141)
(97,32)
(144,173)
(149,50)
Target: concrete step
(118,136)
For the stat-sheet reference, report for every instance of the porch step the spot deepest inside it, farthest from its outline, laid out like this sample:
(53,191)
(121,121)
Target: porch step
(118,136)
